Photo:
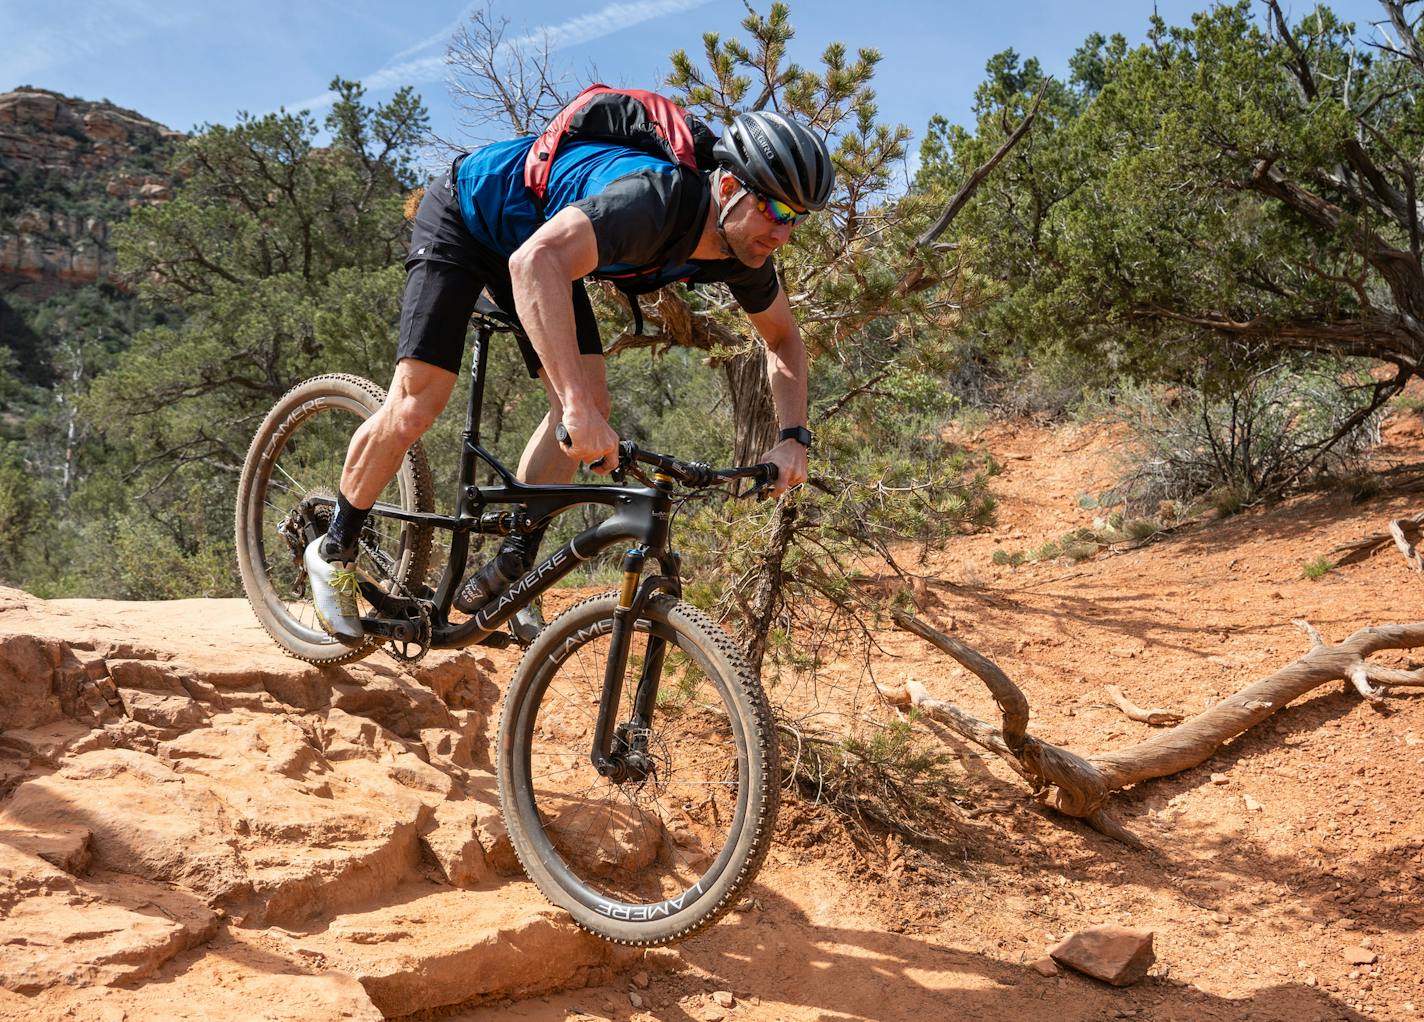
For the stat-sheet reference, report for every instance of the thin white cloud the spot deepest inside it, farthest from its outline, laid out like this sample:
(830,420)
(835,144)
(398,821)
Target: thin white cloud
(439,37)
(606,21)
(83,32)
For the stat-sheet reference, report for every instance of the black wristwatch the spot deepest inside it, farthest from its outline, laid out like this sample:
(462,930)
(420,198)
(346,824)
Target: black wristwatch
(800,434)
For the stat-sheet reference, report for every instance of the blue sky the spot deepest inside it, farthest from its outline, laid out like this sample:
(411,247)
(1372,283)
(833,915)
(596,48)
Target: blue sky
(187,62)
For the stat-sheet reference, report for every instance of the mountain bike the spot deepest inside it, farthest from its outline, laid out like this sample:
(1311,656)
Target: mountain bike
(637,758)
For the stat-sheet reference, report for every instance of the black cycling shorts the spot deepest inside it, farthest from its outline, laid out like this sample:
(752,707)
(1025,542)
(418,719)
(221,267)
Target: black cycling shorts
(445,272)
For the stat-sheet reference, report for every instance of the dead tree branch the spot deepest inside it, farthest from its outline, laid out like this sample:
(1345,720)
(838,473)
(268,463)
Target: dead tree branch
(1080,787)
(1405,532)
(976,178)
(1156,717)
(1398,532)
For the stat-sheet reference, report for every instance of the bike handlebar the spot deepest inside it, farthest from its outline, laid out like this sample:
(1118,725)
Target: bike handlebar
(689,473)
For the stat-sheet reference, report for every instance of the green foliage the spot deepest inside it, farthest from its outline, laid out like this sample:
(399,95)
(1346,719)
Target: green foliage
(884,487)
(1318,568)
(1231,189)
(845,265)
(1155,242)
(23,507)
(146,554)
(276,260)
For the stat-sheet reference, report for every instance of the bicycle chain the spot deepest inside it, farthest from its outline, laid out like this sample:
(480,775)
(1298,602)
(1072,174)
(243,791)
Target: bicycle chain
(391,648)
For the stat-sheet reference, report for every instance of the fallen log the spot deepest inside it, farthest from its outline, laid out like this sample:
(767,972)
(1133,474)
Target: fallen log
(1081,786)
(1404,533)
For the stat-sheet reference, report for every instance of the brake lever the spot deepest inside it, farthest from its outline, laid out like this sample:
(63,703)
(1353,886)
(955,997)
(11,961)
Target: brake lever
(761,489)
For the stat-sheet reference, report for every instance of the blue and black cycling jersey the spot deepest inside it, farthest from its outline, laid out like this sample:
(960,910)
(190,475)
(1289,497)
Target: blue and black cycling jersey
(647,214)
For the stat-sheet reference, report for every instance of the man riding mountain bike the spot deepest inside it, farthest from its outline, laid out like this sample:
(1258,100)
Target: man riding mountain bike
(605,209)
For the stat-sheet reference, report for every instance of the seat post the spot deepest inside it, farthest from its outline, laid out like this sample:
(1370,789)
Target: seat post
(477,381)
(470,440)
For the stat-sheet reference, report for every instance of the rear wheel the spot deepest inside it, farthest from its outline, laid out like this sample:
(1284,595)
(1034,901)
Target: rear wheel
(285,498)
(665,852)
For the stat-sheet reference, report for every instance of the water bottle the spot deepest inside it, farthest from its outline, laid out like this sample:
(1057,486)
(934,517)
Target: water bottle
(491,580)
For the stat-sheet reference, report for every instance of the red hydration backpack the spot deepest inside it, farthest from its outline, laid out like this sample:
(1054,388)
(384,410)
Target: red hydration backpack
(631,117)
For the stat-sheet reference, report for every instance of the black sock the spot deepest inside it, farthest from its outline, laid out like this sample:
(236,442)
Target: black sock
(345,531)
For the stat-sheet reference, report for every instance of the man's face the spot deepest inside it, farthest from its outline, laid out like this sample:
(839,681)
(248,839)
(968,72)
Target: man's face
(752,235)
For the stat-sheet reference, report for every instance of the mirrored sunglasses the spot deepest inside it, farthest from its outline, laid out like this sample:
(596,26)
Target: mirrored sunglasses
(775,210)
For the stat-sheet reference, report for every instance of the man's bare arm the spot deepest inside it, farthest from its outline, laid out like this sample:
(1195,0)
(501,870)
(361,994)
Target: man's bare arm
(543,270)
(786,373)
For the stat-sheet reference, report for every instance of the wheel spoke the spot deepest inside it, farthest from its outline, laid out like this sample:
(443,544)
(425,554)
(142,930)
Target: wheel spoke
(655,834)
(301,458)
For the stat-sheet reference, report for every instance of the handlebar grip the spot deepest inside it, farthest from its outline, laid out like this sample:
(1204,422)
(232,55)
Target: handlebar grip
(561,434)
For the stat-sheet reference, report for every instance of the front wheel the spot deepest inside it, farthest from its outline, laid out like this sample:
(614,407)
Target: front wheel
(285,499)
(665,852)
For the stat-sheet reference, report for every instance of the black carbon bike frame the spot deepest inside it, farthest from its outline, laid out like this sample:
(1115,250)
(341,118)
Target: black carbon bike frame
(640,516)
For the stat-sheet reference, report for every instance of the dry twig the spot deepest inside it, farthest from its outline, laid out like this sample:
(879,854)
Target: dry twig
(1156,717)
(1397,532)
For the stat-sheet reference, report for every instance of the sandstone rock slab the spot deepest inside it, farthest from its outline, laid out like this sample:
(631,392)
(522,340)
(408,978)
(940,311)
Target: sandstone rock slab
(443,947)
(1118,955)
(56,930)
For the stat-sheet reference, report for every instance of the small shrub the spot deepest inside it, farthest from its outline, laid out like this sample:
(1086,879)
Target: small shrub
(1078,550)
(1230,499)
(1239,435)
(882,771)
(1318,568)
(1047,552)
(1142,528)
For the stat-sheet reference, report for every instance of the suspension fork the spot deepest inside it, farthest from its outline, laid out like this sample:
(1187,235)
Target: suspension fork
(611,743)
(646,696)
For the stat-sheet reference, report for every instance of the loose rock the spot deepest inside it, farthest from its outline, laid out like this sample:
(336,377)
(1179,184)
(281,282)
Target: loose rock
(1118,955)
(1045,966)
(1360,956)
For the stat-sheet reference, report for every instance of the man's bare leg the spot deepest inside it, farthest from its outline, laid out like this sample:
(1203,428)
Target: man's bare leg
(544,460)
(417,395)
